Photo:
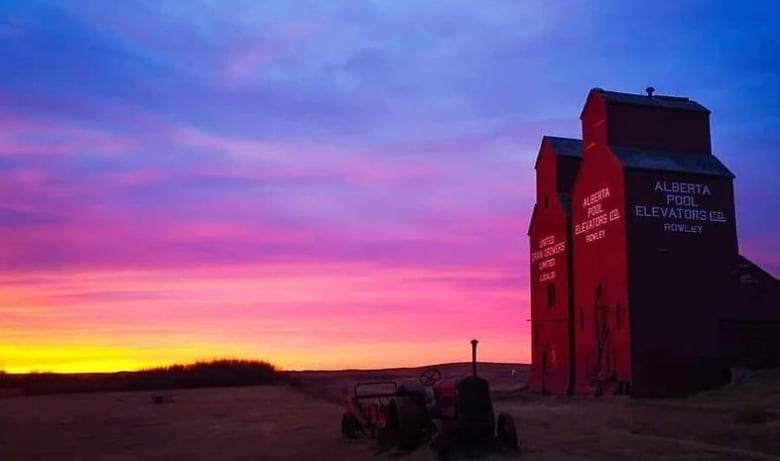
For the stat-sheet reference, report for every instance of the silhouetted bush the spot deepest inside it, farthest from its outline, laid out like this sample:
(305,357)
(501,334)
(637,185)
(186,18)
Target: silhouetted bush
(215,373)
(205,374)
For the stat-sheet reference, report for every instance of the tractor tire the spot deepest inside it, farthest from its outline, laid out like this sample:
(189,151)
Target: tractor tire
(408,424)
(506,432)
(349,426)
(439,443)
(385,438)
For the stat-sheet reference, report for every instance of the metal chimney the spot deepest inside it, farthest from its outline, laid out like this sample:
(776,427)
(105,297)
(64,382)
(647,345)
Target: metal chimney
(474,357)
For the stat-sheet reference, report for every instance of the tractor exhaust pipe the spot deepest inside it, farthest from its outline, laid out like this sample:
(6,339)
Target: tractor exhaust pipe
(474,357)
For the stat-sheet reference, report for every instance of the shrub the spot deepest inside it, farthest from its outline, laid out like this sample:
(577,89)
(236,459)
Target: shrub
(224,372)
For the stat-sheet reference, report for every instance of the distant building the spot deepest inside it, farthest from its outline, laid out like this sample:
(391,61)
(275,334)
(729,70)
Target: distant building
(637,284)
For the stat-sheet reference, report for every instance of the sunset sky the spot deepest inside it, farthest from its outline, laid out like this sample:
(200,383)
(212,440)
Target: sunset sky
(325,184)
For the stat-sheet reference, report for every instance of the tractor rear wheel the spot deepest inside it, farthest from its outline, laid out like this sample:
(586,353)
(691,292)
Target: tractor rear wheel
(407,423)
(349,425)
(506,431)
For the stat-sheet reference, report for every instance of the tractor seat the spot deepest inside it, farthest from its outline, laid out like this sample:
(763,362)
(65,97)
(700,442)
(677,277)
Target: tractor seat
(445,390)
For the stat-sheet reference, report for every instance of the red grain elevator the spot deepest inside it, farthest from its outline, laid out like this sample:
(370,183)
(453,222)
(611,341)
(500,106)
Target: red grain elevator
(647,295)
(552,348)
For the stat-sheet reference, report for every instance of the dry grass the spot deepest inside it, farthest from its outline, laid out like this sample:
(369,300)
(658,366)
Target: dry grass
(759,390)
(733,422)
(505,379)
(300,423)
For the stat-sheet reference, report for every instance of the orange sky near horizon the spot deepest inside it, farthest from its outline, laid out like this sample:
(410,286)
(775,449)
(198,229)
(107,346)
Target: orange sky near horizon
(327,184)
(329,317)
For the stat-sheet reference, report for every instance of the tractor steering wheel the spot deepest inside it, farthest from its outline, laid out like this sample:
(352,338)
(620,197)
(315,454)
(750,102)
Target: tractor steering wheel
(430,377)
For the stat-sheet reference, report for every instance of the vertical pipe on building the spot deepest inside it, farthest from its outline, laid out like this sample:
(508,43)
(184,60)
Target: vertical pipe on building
(570,382)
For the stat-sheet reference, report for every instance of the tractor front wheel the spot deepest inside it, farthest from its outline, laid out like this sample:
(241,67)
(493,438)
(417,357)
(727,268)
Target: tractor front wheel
(506,431)
(349,425)
(439,441)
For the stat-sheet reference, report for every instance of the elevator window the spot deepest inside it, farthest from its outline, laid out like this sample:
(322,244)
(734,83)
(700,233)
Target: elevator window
(551,359)
(546,201)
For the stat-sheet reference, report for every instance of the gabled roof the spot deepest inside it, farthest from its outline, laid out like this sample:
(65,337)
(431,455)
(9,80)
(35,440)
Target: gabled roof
(561,147)
(665,102)
(642,159)
(531,221)
(565,147)
(753,272)
(759,294)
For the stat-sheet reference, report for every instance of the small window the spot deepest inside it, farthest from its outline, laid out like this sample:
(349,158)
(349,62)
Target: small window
(552,359)
(550,295)
(546,201)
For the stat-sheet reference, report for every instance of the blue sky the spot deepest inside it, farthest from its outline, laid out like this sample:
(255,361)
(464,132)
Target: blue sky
(392,140)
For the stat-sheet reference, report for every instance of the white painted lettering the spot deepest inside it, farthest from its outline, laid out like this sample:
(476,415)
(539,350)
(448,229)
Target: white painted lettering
(682,188)
(685,228)
(547,264)
(547,241)
(681,200)
(682,204)
(594,210)
(595,197)
(596,215)
(595,236)
(547,248)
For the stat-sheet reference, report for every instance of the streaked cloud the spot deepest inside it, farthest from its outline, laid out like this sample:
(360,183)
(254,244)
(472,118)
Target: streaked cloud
(321,183)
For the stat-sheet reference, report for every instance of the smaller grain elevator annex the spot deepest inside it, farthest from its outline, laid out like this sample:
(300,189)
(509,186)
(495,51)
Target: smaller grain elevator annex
(637,285)
(551,288)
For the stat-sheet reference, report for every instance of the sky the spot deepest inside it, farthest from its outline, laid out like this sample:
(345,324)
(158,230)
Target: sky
(325,184)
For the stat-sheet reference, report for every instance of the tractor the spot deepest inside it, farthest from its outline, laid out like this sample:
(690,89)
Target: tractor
(442,414)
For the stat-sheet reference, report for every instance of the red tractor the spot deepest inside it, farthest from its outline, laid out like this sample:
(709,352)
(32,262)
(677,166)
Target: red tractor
(442,414)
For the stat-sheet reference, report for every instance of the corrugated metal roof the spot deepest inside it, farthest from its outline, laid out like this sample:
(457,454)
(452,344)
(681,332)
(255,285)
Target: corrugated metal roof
(666,102)
(703,164)
(567,147)
(748,267)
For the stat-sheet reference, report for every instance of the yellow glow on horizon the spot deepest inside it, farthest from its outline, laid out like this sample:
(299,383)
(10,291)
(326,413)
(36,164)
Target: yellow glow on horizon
(296,317)
(97,359)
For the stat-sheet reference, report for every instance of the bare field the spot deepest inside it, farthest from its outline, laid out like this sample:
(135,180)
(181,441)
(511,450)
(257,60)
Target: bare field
(302,423)
(504,378)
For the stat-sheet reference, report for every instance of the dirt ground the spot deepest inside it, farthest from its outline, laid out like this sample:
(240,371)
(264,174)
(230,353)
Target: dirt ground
(302,423)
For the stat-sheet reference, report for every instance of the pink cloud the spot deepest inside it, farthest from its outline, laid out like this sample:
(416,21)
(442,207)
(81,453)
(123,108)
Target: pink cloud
(20,136)
(400,243)
(270,311)
(243,65)
(244,60)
